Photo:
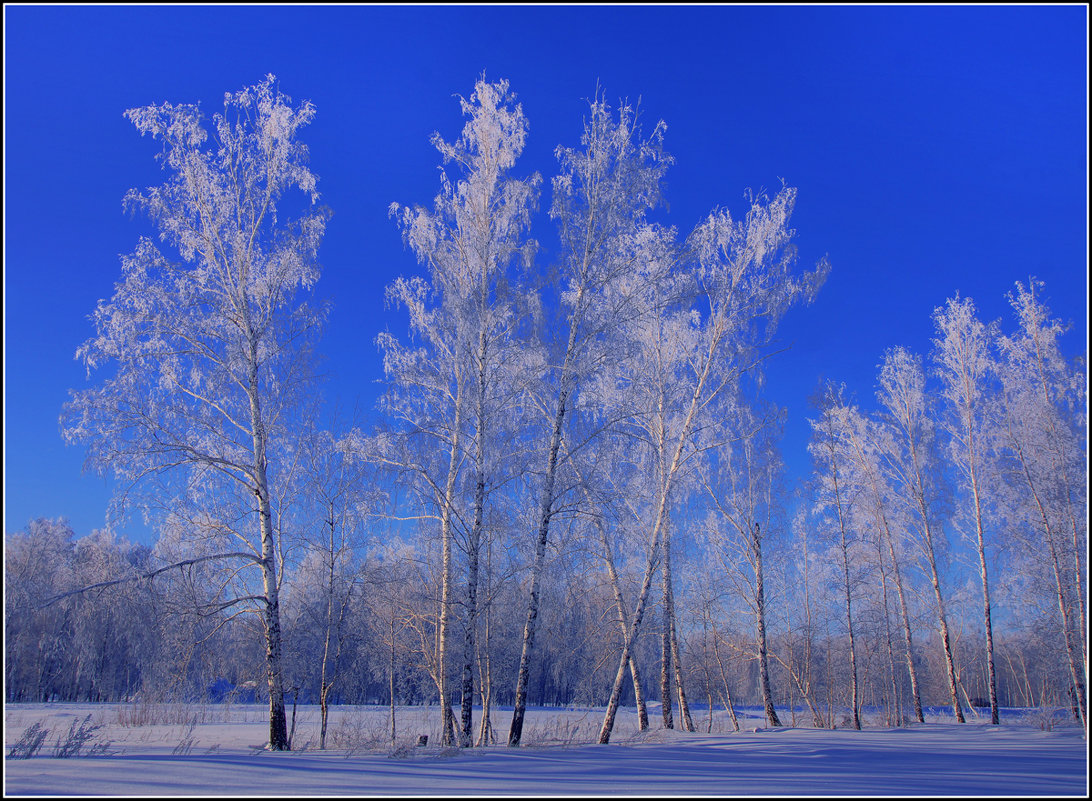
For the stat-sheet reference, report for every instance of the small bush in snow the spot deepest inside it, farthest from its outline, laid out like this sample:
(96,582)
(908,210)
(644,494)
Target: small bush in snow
(187,742)
(78,741)
(30,743)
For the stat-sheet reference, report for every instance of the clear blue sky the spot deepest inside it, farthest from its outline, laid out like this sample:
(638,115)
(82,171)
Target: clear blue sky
(935,149)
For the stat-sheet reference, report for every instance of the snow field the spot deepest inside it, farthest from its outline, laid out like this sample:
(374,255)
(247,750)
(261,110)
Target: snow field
(219,749)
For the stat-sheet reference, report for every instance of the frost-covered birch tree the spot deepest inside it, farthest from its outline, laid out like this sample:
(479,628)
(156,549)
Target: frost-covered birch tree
(835,496)
(206,339)
(965,366)
(1046,447)
(465,317)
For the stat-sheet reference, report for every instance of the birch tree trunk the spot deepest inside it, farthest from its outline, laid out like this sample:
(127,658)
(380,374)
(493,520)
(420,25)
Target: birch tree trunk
(278,722)
(1034,319)
(801,677)
(324,685)
(907,632)
(760,626)
(893,686)
(943,618)
(485,670)
(447,717)
(468,242)
(987,616)
(638,616)
(963,362)
(665,637)
(545,513)
(847,596)
(600,197)
(390,680)
(832,413)
(674,660)
(623,616)
(474,545)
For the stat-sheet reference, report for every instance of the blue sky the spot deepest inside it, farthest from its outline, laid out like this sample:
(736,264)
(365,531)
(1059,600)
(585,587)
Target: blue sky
(936,149)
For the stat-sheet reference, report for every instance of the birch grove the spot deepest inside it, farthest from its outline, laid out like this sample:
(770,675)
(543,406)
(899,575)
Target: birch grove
(575,489)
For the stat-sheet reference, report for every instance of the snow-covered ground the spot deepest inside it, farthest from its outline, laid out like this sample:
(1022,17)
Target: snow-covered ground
(218,750)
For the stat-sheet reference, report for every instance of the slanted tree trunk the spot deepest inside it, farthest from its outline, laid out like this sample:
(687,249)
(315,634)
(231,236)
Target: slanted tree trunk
(944,635)
(619,603)
(623,624)
(802,682)
(724,678)
(546,510)
(934,576)
(902,382)
(907,632)
(1058,469)
(963,361)
(1080,677)
(1064,609)
(627,644)
(667,480)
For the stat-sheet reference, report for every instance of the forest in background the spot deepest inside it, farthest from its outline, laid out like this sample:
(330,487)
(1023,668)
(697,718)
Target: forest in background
(576,494)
